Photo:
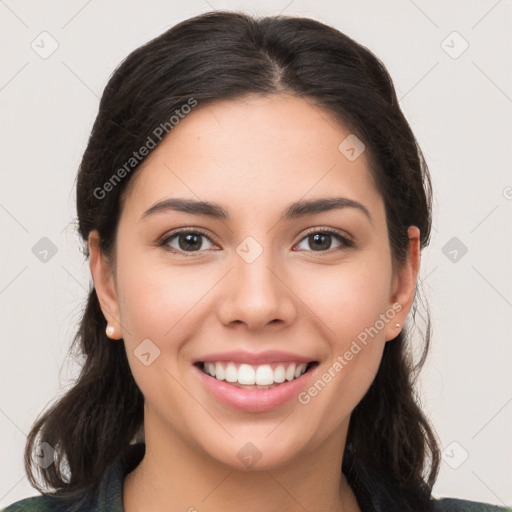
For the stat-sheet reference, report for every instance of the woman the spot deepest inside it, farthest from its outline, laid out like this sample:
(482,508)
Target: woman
(254,205)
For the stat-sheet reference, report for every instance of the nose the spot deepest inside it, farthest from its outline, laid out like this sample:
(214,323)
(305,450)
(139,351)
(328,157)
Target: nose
(256,294)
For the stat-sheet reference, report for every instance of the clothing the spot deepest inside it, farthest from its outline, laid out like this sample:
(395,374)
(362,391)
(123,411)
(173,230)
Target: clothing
(108,495)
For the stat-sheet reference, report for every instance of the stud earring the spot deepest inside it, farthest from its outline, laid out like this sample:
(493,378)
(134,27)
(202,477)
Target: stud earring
(397,325)
(110,330)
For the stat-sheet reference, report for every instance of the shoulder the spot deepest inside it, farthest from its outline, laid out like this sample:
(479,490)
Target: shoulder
(35,504)
(53,503)
(105,495)
(456,505)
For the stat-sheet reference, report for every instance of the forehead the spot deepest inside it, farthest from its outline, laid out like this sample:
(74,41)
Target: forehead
(252,154)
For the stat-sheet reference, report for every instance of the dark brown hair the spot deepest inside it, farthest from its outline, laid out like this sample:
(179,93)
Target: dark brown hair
(229,55)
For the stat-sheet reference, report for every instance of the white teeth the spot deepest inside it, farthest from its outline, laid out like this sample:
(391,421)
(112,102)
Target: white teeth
(231,373)
(210,369)
(290,372)
(246,375)
(298,371)
(279,374)
(262,375)
(220,374)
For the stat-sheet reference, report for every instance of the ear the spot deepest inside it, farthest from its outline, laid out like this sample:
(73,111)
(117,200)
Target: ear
(404,285)
(102,273)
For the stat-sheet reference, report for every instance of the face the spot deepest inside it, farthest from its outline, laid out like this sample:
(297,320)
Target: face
(259,280)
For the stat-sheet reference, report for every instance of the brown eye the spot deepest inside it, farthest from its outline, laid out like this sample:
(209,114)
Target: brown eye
(321,241)
(186,241)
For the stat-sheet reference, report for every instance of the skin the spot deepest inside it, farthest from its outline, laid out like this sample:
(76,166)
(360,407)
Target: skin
(254,157)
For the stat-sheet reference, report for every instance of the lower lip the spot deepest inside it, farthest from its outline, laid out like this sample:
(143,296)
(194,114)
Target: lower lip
(257,400)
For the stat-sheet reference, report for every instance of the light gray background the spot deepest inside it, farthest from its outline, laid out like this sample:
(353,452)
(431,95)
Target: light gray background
(459,108)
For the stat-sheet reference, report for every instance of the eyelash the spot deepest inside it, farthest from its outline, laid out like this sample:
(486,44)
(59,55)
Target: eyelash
(346,243)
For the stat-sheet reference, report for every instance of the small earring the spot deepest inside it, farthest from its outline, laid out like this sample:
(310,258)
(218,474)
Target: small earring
(397,325)
(110,330)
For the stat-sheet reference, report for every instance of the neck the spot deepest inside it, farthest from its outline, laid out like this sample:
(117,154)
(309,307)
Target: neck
(175,473)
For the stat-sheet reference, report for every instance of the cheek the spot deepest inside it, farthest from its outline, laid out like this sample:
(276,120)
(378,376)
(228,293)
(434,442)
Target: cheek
(348,298)
(156,300)
(167,304)
(159,302)
(350,304)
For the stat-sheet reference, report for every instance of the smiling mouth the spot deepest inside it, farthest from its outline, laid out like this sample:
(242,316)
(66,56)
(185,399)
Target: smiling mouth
(263,376)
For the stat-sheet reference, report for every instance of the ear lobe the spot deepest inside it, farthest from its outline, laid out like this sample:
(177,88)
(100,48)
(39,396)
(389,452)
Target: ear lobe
(104,283)
(404,285)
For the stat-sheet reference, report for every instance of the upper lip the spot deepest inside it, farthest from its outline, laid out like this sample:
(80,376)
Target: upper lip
(237,356)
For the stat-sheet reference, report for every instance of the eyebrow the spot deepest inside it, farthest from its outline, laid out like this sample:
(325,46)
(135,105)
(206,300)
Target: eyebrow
(295,210)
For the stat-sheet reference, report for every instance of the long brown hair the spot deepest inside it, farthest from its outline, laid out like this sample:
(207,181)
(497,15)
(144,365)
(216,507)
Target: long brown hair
(226,55)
